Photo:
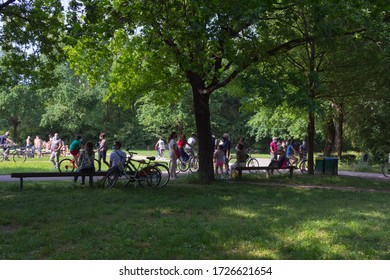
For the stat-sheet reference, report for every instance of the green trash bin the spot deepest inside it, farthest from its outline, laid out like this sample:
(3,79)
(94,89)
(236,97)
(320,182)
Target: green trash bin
(331,166)
(320,166)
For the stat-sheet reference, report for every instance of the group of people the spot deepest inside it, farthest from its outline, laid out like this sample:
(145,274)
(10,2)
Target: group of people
(222,155)
(284,151)
(181,148)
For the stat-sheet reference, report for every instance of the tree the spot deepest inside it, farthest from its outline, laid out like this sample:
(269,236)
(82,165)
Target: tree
(31,32)
(165,46)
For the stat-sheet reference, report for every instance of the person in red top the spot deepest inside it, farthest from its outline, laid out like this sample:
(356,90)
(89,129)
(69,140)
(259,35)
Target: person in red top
(181,143)
(273,149)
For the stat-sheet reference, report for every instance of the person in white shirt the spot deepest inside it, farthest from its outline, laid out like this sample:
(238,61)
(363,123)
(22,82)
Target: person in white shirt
(117,156)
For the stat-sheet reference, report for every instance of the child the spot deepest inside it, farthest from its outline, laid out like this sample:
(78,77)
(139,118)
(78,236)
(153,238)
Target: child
(219,159)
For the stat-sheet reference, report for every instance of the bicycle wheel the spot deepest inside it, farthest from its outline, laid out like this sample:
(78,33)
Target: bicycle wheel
(149,177)
(183,165)
(194,164)
(303,166)
(66,165)
(111,178)
(178,163)
(165,174)
(97,165)
(386,169)
(252,162)
(19,157)
(129,174)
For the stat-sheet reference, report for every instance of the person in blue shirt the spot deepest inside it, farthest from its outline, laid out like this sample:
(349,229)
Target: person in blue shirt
(290,153)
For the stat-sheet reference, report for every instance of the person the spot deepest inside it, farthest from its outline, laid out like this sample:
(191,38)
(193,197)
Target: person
(173,151)
(118,156)
(74,148)
(219,159)
(37,146)
(189,147)
(181,144)
(241,157)
(226,149)
(5,142)
(273,148)
(160,147)
(102,149)
(55,150)
(303,150)
(290,152)
(86,162)
(28,142)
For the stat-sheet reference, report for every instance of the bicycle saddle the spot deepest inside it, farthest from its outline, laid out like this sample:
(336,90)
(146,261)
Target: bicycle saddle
(151,158)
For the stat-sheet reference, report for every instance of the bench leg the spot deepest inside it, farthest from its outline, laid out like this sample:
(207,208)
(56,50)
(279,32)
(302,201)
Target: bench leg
(268,174)
(291,172)
(239,174)
(21,183)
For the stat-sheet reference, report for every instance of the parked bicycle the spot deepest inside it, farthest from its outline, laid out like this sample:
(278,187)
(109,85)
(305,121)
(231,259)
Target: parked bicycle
(138,171)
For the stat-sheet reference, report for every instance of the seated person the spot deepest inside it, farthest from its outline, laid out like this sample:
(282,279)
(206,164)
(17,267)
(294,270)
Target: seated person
(241,157)
(117,157)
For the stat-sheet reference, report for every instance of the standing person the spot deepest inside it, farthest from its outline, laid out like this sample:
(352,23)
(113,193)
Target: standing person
(303,150)
(173,151)
(37,146)
(74,148)
(226,149)
(117,156)
(55,150)
(219,159)
(28,142)
(102,149)
(273,148)
(86,162)
(160,147)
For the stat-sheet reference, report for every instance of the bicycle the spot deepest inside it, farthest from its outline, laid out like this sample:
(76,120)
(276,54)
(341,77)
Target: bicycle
(17,154)
(147,175)
(250,162)
(386,167)
(192,164)
(69,165)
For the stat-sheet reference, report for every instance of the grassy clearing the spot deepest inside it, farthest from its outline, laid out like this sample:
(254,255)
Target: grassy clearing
(223,220)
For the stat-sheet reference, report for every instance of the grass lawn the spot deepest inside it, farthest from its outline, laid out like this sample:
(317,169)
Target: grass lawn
(252,219)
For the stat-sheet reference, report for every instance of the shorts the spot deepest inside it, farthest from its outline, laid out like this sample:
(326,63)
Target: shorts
(219,164)
(74,153)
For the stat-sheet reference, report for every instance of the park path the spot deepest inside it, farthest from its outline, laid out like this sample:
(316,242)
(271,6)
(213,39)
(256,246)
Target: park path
(262,162)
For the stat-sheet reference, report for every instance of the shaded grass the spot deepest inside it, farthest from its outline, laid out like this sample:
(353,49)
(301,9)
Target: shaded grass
(192,221)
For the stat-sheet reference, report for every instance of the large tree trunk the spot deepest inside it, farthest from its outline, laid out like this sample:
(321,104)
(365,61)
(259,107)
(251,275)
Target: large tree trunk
(203,127)
(15,124)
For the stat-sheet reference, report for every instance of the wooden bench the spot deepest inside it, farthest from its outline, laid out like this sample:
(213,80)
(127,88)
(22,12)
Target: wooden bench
(269,169)
(23,175)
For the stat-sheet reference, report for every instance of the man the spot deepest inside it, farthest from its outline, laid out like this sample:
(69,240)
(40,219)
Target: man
(273,147)
(4,143)
(117,156)
(37,146)
(55,150)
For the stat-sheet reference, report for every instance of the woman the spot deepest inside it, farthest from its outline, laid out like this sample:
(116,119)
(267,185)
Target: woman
(172,154)
(86,163)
